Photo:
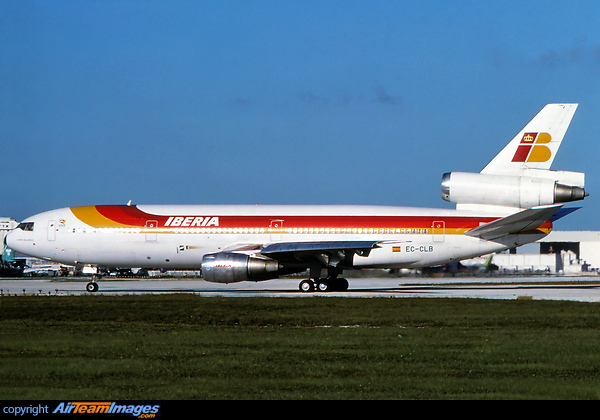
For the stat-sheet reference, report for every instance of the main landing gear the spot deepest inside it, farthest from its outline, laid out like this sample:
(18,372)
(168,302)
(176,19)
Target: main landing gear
(329,284)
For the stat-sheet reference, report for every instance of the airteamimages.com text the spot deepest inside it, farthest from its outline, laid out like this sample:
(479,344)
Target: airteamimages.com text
(142,411)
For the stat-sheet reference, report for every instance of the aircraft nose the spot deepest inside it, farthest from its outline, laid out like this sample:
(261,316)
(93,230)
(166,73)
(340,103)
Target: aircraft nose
(10,240)
(7,241)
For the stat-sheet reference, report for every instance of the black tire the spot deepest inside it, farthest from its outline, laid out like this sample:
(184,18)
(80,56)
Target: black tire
(91,287)
(341,284)
(324,286)
(307,286)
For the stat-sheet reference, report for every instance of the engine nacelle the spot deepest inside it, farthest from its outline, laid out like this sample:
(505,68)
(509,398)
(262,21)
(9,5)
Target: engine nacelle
(507,190)
(230,267)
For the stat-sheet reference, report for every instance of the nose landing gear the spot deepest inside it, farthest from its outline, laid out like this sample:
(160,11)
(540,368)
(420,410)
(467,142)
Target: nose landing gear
(92,287)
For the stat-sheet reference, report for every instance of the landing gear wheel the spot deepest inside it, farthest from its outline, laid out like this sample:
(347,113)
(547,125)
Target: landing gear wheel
(324,286)
(91,287)
(307,286)
(341,284)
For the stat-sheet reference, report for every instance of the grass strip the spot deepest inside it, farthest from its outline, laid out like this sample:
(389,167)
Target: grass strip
(184,346)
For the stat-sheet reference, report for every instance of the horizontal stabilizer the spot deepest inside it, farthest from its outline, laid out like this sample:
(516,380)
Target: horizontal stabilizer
(562,213)
(525,220)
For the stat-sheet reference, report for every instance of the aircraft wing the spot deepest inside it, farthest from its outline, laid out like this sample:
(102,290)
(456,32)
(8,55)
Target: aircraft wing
(330,251)
(525,220)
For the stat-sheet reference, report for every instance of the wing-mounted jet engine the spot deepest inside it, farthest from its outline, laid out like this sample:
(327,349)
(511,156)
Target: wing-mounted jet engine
(230,267)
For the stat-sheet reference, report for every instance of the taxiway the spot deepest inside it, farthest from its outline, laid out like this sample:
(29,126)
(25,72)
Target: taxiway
(584,289)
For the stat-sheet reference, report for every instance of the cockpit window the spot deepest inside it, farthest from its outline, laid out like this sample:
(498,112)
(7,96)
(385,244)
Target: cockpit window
(28,227)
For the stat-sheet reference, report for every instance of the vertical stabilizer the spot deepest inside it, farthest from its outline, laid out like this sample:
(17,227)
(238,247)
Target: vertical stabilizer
(536,145)
(519,177)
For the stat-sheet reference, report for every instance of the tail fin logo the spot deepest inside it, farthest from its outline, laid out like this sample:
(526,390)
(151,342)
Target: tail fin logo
(532,148)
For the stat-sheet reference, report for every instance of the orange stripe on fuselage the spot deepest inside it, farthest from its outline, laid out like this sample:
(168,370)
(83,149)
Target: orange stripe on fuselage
(131,217)
(90,216)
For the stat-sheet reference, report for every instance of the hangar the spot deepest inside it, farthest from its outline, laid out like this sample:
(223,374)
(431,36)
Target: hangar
(584,245)
(561,252)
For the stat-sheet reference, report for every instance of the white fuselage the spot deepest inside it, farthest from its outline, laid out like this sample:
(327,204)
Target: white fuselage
(178,236)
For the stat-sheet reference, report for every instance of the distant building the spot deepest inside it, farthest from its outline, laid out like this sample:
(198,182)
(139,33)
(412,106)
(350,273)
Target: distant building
(572,252)
(6,225)
(584,245)
(8,265)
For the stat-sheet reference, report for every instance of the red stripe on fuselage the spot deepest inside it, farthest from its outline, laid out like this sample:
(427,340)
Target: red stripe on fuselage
(129,215)
(132,216)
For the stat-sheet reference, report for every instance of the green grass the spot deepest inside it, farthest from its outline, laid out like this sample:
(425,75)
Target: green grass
(191,347)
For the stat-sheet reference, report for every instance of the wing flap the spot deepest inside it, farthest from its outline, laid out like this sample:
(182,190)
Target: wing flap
(525,220)
(287,247)
(328,252)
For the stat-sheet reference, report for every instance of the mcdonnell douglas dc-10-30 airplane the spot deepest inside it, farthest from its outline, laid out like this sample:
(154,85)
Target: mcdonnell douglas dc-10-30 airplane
(511,202)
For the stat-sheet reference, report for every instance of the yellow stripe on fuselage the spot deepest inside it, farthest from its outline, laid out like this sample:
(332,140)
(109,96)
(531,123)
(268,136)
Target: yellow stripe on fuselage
(90,216)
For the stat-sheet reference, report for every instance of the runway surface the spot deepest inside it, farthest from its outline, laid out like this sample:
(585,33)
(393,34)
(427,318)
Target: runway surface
(584,289)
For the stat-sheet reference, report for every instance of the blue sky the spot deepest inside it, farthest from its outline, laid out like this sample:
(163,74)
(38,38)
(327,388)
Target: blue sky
(282,101)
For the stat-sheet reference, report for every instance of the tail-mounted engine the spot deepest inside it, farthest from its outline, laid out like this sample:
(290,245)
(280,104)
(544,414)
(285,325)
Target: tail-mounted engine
(230,267)
(543,188)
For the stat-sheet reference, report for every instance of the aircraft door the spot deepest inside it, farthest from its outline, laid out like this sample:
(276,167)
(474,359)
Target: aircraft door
(52,230)
(439,231)
(276,230)
(151,227)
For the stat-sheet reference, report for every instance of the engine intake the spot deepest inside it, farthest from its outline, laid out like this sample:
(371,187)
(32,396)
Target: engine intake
(506,190)
(230,267)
